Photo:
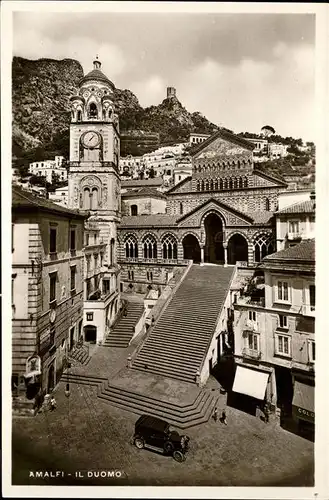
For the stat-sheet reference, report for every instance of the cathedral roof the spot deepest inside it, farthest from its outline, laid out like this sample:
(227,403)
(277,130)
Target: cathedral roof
(155,181)
(159,220)
(143,192)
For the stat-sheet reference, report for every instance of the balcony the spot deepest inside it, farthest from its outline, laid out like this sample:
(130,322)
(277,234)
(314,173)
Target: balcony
(252,301)
(292,236)
(251,353)
(141,260)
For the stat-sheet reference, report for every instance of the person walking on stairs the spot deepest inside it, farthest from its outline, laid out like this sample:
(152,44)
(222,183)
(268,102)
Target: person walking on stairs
(215,415)
(223,417)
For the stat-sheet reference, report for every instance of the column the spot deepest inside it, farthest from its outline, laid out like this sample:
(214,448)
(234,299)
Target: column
(202,256)
(225,254)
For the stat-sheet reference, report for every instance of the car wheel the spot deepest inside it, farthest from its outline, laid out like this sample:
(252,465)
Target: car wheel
(139,443)
(168,447)
(178,456)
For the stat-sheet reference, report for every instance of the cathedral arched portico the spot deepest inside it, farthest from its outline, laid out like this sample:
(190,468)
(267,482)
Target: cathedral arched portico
(191,248)
(214,248)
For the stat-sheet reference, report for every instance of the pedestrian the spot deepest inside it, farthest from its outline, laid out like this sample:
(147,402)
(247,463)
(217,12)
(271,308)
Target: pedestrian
(53,403)
(223,418)
(266,413)
(215,415)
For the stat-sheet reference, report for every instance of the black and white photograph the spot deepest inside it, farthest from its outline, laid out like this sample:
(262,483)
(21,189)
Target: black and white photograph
(160,287)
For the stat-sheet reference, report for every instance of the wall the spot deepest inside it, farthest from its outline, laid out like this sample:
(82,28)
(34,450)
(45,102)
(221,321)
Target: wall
(145,206)
(306,228)
(288,198)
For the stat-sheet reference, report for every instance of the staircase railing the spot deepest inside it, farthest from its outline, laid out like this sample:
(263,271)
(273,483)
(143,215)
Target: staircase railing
(217,320)
(161,309)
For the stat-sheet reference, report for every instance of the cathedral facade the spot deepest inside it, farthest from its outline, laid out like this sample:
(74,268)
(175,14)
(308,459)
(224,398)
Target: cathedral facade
(221,214)
(94,187)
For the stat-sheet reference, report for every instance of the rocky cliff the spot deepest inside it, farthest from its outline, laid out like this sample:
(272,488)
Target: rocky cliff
(41,113)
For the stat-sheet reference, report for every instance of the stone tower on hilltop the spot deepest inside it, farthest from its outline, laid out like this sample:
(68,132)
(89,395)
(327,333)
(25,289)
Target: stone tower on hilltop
(171,92)
(94,183)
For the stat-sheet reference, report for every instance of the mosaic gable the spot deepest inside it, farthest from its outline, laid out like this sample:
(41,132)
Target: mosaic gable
(221,147)
(229,218)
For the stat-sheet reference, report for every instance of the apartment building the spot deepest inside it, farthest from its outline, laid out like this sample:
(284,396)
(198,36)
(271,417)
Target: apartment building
(47,294)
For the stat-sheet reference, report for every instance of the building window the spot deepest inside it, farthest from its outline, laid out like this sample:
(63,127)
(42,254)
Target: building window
(72,241)
(253,341)
(52,240)
(72,278)
(149,276)
(90,316)
(267,204)
(283,291)
(263,246)
(312,297)
(87,239)
(95,261)
(134,210)
(12,236)
(294,226)
(181,208)
(52,337)
(131,275)
(150,247)
(169,247)
(283,345)
(283,321)
(131,247)
(106,286)
(52,286)
(252,315)
(311,351)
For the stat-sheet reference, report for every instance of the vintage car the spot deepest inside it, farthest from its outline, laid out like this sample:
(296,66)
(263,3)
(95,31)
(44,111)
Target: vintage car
(156,434)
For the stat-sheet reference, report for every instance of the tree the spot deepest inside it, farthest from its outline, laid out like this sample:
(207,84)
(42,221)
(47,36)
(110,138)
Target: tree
(267,130)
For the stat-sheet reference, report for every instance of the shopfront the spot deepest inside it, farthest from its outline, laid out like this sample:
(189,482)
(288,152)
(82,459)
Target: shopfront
(251,388)
(303,406)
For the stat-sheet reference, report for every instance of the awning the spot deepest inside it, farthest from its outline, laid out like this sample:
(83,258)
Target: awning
(250,382)
(303,401)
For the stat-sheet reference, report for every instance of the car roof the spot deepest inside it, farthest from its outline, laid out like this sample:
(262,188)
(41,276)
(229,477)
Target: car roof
(153,422)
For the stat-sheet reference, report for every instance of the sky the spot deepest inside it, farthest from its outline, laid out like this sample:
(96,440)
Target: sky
(242,71)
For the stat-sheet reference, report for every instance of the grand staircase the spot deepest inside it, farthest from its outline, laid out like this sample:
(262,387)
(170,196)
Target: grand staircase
(180,339)
(183,416)
(122,332)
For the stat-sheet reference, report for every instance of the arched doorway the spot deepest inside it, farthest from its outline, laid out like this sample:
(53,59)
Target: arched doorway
(90,334)
(214,250)
(51,378)
(237,249)
(191,248)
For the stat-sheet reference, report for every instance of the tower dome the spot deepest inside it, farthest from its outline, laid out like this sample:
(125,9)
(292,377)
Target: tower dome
(96,75)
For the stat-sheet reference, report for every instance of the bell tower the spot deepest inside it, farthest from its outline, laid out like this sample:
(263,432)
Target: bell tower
(93,180)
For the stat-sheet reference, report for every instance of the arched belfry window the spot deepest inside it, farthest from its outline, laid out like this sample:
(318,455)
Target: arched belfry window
(94,198)
(86,199)
(198,186)
(169,247)
(131,247)
(79,115)
(150,247)
(93,113)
